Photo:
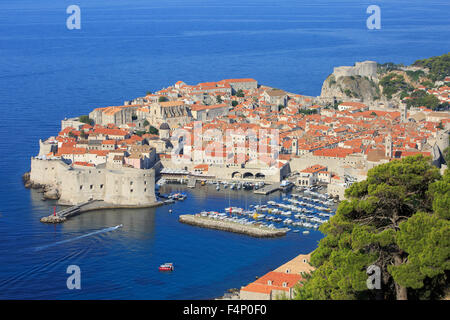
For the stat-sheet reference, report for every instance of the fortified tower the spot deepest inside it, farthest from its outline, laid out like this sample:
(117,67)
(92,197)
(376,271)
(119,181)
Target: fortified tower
(404,113)
(294,147)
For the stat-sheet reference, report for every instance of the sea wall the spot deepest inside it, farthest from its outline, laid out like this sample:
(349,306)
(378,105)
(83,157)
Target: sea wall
(124,186)
(335,164)
(249,230)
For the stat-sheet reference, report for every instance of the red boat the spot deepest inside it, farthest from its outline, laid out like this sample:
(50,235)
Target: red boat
(166,267)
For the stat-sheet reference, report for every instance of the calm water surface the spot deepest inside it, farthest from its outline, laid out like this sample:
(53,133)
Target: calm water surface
(126,48)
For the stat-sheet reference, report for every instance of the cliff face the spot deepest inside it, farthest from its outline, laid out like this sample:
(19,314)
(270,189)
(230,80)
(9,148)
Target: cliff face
(350,87)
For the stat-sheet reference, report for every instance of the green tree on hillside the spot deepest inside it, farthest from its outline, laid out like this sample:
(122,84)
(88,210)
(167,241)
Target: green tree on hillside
(393,83)
(86,119)
(163,99)
(439,66)
(421,98)
(394,220)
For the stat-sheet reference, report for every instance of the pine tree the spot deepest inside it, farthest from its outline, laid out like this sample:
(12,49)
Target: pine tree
(388,220)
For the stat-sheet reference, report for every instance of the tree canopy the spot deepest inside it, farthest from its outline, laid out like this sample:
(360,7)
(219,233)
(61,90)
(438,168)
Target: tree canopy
(153,130)
(396,219)
(86,119)
(439,66)
(421,98)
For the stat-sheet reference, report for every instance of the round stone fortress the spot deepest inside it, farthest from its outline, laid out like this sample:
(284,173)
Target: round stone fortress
(363,69)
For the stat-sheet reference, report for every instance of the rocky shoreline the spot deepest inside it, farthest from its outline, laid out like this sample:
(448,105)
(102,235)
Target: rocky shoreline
(48,192)
(53,219)
(253,231)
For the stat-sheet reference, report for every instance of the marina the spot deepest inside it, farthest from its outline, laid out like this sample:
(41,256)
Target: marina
(295,212)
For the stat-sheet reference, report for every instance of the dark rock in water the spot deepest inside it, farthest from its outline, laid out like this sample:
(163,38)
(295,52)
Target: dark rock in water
(51,193)
(36,186)
(26,180)
(26,177)
(53,219)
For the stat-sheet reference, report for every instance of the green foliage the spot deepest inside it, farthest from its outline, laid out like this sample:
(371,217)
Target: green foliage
(307,111)
(428,84)
(439,66)
(426,239)
(422,98)
(84,135)
(388,67)
(234,103)
(240,93)
(440,193)
(153,130)
(163,99)
(386,221)
(140,133)
(393,83)
(86,119)
(219,99)
(146,123)
(415,75)
(331,81)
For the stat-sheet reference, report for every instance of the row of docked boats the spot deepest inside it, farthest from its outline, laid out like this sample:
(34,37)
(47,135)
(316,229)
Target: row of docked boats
(309,210)
(235,219)
(172,197)
(238,185)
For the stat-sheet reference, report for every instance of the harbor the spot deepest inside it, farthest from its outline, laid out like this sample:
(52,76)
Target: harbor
(297,212)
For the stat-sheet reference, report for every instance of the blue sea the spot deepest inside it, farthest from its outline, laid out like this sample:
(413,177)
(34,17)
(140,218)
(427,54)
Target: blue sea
(126,48)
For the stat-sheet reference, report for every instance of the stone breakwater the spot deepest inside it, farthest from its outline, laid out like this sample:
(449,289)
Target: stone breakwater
(48,191)
(91,206)
(53,219)
(250,230)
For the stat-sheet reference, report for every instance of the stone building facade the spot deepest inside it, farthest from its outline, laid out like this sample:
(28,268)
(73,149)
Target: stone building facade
(77,184)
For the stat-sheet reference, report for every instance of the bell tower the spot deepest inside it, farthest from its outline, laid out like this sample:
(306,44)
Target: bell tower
(388,146)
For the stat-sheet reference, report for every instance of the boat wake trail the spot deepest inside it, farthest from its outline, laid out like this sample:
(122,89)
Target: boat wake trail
(79,237)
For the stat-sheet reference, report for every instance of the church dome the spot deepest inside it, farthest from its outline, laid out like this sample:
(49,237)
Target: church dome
(164,126)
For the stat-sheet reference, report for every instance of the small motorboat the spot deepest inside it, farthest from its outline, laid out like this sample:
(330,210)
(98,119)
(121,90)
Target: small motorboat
(166,267)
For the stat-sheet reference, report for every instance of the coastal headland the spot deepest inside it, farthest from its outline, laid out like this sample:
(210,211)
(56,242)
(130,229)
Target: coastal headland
(250,230)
